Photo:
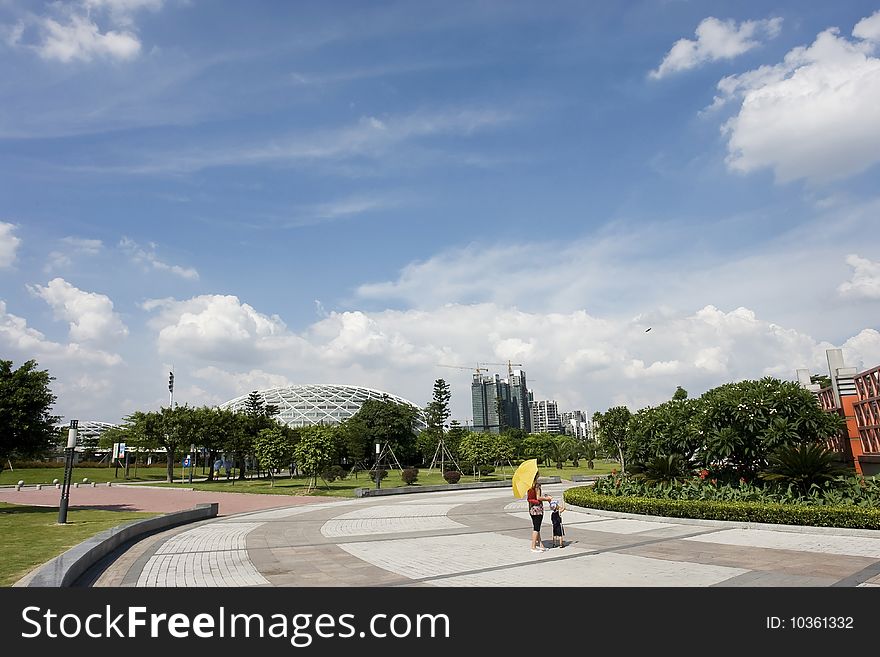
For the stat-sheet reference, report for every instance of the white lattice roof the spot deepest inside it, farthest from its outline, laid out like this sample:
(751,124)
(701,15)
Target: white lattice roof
(304,405)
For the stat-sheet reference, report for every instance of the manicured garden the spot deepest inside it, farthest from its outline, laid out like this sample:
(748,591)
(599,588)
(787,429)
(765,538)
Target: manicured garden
(845,501)
(752,451)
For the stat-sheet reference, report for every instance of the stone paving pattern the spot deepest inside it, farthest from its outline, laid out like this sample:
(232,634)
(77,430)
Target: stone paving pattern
(481,538)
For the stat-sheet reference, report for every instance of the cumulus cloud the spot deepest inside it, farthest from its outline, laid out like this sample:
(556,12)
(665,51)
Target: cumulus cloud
(582,361)
(868,28)
(9,244)
(812,116)
(148,257)
(216,328)
(21,340)
(81,39)
(90,314)
(81,31)
(716,39)
(865,281)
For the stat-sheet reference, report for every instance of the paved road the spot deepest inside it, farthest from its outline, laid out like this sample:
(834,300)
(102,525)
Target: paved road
(481,538)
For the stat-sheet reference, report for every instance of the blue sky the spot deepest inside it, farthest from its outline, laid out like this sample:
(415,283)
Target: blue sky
(270,193)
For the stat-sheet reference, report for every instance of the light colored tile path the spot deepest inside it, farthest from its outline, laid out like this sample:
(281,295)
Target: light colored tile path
(496,560)
(210,555)
(571,519)
(391,519)
(481,538)
(852,545)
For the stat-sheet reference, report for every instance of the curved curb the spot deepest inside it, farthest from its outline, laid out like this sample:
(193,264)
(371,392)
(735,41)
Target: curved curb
(730,524)
(63,570)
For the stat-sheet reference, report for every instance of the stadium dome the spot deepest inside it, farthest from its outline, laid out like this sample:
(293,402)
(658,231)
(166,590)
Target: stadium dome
(305,405)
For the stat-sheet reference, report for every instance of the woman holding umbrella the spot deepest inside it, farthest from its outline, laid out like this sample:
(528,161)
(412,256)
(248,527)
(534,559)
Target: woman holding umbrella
(536,510)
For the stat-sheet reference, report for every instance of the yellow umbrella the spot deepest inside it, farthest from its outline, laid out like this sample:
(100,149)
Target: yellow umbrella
(524,477)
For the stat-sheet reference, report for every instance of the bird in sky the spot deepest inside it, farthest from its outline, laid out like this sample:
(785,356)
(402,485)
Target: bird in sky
(648,329)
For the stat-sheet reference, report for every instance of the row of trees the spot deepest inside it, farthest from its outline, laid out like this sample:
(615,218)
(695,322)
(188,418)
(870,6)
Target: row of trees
(255,435)
(27,426)
(734,428)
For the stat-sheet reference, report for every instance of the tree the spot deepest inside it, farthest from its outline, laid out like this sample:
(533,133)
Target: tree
(273,449)
(743,423)
(256,416)
(437,412)
(27,426)
(478,448)
(680,394)
(212,427)
(436,415)
(385,421)
(664,430)
(315,451)
(561,448)
(538,446)
(146,430)
(612,427)
(179,431)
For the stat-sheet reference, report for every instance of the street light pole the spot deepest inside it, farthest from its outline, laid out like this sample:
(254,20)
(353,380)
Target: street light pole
(68,472)
(378,478)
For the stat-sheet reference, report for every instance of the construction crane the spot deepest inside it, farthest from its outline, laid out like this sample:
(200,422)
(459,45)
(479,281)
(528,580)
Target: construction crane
(510,367)
(476,370)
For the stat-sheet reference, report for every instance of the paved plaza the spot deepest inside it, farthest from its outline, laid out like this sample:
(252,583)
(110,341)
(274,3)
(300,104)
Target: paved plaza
(481,538)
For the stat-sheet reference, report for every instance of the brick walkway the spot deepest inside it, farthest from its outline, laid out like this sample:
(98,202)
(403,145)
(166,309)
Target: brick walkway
(152,498)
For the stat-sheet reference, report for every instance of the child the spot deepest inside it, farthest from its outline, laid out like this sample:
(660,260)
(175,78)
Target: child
(556,519)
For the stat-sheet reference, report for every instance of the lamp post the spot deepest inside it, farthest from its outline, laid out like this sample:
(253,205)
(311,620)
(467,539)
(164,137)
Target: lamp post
(68,472)
(378,478)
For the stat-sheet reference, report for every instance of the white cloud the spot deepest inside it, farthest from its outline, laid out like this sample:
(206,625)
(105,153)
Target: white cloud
(9,244)
(72,246)
(71,31)
(217,328)
(19,339)
(368,137)
(716,39)
(401,351)
(141,255)
(812,116)
(868,28)
(81,39)
(865,281)
(90,314)
(228,385)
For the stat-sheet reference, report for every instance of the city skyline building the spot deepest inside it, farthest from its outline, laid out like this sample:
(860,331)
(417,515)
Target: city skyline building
(545,416)
(498,404)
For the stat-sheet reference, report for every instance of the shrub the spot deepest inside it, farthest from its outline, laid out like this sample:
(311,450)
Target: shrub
(486,470)
(736,511)
(410,475)
(802,466)
(381,473)
(333,473)
(452,476)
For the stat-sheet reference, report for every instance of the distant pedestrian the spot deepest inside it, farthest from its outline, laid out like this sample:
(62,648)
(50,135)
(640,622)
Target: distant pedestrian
(227,466)
(536,511)
(556,518)
(217,465)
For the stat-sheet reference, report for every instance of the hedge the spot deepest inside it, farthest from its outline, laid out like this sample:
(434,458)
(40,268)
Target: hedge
(781,514)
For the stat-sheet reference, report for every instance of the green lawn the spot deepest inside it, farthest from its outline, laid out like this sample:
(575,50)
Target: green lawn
(284,485)
(31,535)
(32,476)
